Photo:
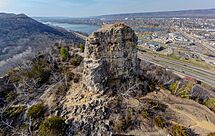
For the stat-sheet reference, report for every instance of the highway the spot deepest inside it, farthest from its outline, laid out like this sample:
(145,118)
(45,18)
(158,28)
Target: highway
(185,69)
(195,72)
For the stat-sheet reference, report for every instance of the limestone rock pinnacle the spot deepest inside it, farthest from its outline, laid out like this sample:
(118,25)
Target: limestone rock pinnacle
(110,55)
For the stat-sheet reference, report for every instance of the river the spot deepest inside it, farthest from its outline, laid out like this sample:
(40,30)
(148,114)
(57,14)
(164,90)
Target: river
(75,27)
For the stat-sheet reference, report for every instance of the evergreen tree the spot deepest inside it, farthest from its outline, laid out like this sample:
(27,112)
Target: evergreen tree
(64,53)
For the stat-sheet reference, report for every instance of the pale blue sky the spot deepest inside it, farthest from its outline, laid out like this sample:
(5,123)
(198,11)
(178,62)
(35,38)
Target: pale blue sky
(83,8)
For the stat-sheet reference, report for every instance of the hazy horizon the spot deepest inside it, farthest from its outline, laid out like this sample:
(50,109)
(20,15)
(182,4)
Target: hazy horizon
(87,8)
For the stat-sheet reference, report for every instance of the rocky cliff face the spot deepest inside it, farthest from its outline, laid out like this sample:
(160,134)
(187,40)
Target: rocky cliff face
(110,55)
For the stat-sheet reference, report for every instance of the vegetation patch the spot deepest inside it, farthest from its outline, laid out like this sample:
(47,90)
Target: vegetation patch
(129,119)
(36,111)
(211,134)
(64,53)
(189,86)
(210,103)
(14,75)
(53,126)
(82,47)
(119,125)
(160,122)
(145,113)
(40,71)
(11,96)
(178,130)
(183,94)
(76,60)
(13,112)
(173,86)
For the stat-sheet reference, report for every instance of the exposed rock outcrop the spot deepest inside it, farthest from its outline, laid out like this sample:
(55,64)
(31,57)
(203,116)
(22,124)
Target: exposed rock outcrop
(201,93)
(110,55)
(110,65)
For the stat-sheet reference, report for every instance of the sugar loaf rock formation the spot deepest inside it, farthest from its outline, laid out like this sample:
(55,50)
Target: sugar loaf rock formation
(110,56)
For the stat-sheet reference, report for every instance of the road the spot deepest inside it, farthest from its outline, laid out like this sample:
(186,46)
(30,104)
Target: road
(186,69)
(201,43)
(195,72)
(81,36)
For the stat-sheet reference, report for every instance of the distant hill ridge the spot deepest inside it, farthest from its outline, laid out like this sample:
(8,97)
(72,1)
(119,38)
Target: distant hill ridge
(18,33)
(7,15)
(12,22)
(166,14)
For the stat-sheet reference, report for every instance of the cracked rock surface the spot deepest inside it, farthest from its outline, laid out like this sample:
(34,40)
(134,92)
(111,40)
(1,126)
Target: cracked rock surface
(110,54)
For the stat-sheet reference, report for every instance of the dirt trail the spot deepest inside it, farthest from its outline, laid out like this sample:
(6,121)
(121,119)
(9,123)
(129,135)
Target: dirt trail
(191,114)
(198,123)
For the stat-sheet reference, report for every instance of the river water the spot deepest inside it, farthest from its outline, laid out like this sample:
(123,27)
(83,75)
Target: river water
(75,27)
(91,28)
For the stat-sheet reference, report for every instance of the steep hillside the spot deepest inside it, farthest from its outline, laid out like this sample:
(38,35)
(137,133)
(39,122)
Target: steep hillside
(20,33)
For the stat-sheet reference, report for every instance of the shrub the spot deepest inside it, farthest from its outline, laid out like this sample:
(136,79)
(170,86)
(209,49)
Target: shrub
(173,86)
(210,103)
(211,134)
(119,125)
(185,91)
(36,111)
(64,53)
(53,126)
(183,94)
(189,86)
(11,96)
(13,112)
(178,130)
(13,75)
(40,71)
(128,118)
(76,60)
(160,122)
(82,47)
(145,113)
